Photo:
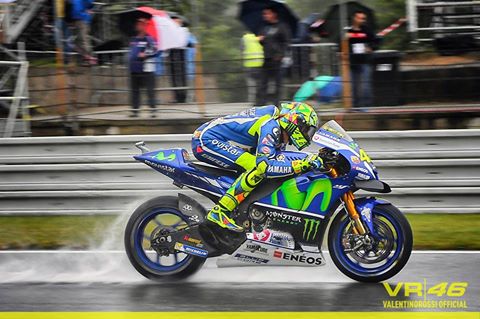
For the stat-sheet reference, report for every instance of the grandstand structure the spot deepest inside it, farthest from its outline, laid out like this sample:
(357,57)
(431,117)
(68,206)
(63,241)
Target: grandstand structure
(432,19)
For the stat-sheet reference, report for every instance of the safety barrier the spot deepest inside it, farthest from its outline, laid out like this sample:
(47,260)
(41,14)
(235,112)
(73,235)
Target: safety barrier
(429,171)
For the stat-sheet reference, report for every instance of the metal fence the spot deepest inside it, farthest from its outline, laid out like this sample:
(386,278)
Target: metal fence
(66,93)
(429,171)
(217,81)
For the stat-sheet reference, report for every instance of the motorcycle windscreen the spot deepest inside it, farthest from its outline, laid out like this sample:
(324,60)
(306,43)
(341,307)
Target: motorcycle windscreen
(333,136)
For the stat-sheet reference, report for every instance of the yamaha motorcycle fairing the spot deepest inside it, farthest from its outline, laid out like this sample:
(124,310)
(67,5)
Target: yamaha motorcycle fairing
(369,239)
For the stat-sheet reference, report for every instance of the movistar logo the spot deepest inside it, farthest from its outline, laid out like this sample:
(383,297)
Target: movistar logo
(310,229)
(161,156)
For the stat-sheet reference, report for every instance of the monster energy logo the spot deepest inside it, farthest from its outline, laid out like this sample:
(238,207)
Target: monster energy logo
(310,228)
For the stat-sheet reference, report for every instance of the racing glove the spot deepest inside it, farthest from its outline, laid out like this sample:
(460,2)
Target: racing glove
(312,161)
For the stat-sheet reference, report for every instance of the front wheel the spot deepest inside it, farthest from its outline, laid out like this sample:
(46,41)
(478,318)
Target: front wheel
(160,214)
(374,257)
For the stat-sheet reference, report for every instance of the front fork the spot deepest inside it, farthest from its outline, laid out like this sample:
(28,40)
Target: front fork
(348,200)
(352,212)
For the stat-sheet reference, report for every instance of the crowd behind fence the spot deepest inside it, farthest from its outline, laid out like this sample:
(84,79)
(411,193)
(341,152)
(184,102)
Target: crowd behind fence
(67,89)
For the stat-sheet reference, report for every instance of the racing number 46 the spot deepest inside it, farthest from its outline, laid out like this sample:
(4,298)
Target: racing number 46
(364,156)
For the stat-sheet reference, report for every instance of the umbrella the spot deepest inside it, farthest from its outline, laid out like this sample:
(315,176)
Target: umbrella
(160,27)
(331,26)
(175,15)
(327,88)
(251,14)
(312,23)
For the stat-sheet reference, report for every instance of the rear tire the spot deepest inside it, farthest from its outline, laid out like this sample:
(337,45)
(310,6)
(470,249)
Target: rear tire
(404,245)
(134,247)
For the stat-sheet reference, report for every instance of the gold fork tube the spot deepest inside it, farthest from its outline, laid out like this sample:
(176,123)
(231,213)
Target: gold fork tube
(351,209)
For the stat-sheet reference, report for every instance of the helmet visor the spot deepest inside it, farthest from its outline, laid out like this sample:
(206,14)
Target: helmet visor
(308,132)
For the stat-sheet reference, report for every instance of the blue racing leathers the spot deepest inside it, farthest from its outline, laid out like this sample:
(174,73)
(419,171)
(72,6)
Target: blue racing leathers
(250,141)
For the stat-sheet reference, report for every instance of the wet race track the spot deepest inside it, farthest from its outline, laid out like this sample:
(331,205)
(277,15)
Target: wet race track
(105,281)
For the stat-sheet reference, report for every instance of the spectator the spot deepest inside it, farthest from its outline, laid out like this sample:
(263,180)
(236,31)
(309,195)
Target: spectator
(252,62)
(275,38)
(178,72)
(190,55)
(141,57)
(81,16)
(62,33)
(362,42)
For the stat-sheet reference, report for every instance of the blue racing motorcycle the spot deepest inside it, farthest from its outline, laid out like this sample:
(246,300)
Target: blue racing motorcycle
(369,239)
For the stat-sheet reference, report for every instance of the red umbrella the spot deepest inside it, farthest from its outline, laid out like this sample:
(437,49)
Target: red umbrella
(166,33)
(151,27)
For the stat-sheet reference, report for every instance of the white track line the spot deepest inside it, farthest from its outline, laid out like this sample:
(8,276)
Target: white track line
(123,252)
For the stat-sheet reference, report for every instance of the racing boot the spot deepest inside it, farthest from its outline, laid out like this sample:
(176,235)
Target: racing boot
(241,188)
(220,216)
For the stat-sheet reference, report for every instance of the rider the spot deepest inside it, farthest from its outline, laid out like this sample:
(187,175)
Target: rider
(251,141)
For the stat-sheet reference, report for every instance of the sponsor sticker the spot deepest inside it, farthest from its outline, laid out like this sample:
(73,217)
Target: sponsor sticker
(263,235)
(310,228)
(163,167)
(355,159)
(191,250)
(276,131)
(251,259)
(226,147)
(161,156)
(300,258)
(279,169)
(195,241)
(360,169)
(194,218)
(363,176)
(215,160)
(266,150)
(283,217)
(256,248)
(367,213)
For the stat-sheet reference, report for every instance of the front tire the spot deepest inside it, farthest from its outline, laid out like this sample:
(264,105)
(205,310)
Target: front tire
(394,237)
(151,217)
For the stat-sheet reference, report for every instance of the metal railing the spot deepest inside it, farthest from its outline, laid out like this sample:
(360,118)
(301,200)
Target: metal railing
(429,171)
(16,103)
(17,16)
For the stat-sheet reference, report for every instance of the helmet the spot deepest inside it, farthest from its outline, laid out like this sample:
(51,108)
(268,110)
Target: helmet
(300,121)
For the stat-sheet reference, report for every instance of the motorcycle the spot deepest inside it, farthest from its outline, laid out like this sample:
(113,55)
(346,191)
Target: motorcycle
(285,219)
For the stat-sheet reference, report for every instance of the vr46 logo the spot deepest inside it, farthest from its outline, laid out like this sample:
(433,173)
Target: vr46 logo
(454,289)
(310,228)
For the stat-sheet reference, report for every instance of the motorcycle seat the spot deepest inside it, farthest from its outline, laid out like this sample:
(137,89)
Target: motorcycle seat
(213,170)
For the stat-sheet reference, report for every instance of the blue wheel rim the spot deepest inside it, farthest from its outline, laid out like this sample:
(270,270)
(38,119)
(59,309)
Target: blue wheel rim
(139,236)
(356,267)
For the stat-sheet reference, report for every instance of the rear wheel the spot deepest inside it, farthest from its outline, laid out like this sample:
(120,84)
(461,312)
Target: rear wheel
(158,215)
(371,258)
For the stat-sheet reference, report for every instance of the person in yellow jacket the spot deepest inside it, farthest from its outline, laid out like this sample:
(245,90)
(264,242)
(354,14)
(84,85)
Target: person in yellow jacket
(252,55)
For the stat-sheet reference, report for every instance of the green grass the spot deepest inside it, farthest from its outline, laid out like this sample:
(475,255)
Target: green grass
(53,232)
(445,231)
(431,231)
